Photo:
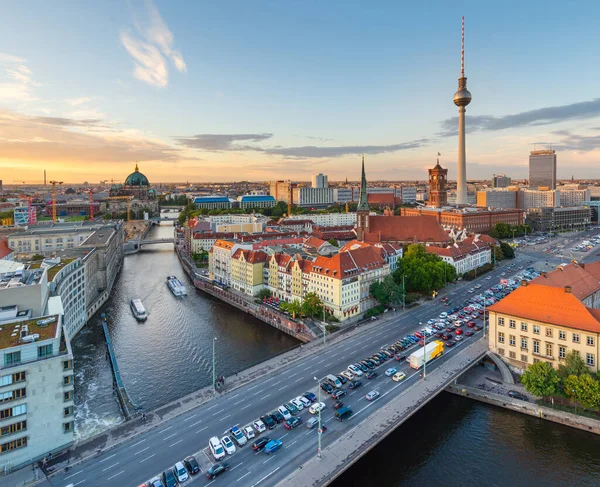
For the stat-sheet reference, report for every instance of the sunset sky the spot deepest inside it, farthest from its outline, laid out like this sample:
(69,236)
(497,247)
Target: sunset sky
(258,90)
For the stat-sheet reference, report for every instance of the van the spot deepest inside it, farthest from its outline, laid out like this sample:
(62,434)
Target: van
(216,448)
(334,381)
(343,413)
(312,422)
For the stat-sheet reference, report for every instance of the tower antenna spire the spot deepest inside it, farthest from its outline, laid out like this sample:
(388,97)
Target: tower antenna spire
(462,49)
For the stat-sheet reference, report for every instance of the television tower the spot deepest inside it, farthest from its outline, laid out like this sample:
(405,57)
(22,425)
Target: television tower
(461,99)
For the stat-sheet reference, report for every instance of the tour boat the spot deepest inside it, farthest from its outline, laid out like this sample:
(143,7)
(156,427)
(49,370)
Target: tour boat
(138,310)
(176,286)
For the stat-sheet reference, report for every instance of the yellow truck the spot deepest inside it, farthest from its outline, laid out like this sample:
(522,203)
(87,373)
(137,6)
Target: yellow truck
(430,351)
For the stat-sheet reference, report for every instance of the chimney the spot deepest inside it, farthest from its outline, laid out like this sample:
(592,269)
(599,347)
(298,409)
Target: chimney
(524,283)
(568,289)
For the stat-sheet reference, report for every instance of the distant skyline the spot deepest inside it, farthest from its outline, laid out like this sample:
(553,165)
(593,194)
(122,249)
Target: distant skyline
(234,90)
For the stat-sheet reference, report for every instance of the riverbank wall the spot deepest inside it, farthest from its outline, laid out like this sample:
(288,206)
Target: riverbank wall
(531,409)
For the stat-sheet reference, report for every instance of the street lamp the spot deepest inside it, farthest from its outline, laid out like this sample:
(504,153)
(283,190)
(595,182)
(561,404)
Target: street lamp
(403,294)
(213,366)
(324,329)
(424,352)
(319,432)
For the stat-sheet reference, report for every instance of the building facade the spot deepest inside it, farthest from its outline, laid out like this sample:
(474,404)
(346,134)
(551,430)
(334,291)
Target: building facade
(501,181)
(247,271)
(561,218)
(256,201)
(313,197)
(212,202)
(319,181)
(542,169)
(464,257)
(499,198)
(438,195)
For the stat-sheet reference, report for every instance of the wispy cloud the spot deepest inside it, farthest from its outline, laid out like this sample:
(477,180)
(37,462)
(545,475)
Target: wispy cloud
(531,118)
(222,142)
(576,142)
(75,102)
(151,47)
(16,83)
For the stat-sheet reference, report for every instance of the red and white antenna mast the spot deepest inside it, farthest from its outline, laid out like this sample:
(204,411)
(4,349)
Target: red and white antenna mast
(462,49)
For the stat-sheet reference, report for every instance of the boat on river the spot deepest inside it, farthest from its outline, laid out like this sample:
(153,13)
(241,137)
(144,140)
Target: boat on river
(176,286)
(138,310)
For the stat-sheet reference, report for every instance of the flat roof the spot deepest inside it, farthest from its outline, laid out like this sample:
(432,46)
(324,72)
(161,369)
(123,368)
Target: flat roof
(56,268)
(99,237)
(10,333)
(61,227)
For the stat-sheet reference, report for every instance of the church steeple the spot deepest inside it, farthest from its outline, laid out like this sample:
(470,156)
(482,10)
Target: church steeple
(363,200)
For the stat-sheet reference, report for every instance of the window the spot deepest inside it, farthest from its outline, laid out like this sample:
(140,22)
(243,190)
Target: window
(68,411)
(500,351)
(562,352)
(589,359)
(523,358)
(536,345)
(67,396)
(67,365)
(523,326)
(45,351)
(9,429)
(536,329)
(67,427)
(12,395)
(590,341)
(15,411)
(500,337)
(512,354)
(562,335)
(12,358)
(523,343)
(501,321)
(575,337)
(549,351)
(549,332)
(512,324)
(511,340)
(13,445)
(67,379)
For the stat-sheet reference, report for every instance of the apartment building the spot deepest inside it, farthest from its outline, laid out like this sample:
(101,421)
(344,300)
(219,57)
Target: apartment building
(537,322)
(464,257)
(247,271)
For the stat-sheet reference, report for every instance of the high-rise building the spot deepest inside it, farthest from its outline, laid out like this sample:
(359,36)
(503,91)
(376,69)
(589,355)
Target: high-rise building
(438,195)
(542,169)
(319,181)
(461,99)
(501,181)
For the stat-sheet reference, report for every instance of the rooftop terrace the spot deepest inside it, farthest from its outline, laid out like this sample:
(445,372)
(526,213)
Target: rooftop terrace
(43,327)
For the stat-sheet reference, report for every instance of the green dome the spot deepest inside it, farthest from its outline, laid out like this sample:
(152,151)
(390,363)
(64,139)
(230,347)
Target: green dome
(136,178)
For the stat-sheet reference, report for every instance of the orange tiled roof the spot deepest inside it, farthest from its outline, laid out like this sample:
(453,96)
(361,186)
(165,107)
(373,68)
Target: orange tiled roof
(313,242)
(423,229)
(4,249)
(224,244)
(348,263)
(458,252)
(549,304)
(584,280)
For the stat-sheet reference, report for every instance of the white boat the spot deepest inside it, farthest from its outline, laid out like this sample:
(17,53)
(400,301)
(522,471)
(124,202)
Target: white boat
(176,286)
(138,310)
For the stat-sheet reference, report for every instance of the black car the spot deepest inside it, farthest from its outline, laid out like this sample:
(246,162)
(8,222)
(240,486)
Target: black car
(326,387)
(168,478)
(310,396)
(339,393)
(450,343)
(518,395)
(368,365)
(259,444)
(277,417)
(371,374)
(362,366)
(354,384)
(478,327)
(268,420)
(342,379)
(217,469)
(191,464)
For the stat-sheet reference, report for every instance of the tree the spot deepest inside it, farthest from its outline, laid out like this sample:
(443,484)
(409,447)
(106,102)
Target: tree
(498,254)
(541,379)
(263,293)
(574,365)
(333,242)
(294,308)
(587,391)
(507,250)
(312,305)
(570,384)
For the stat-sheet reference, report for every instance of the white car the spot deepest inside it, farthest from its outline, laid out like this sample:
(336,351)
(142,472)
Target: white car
(249,432)
(305,402)
(372,395)
(316,407)
(443,314)
(180,472)
(284,412)
(259,426)
(216,448)
(298,403)
(228,445)
(431,322)
(355,370)
(348,375)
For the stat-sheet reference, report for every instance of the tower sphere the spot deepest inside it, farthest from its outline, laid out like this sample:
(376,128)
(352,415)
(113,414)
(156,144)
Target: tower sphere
(462,98)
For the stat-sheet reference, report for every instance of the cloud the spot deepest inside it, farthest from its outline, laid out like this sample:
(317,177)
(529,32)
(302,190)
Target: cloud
(16,83)
(222,142)
(531,118)
(68,122)
(152,47)
(576,142)
(75,102)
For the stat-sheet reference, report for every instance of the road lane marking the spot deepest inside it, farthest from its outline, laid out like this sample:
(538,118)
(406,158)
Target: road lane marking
(306,368)
(266,395)
(266,476)
(217,412)
(122,471)
(73,475)
(107,458)
(278,382)
(321,361)
(225,417)
(254,387)
(236,466)
(212,407)
(270,458)
(284,436)
(292,443)
(170,436)
(136,444)
(293,375)
(329,364)
(245,407)
(147,458)
(197,422)
(257,393)
(300,379)
(202,429)
(190,417)
(113,465)
(245,475)
(80,482)
(239,402)
(234,396)
(166,429)
(176,443)
(138,452)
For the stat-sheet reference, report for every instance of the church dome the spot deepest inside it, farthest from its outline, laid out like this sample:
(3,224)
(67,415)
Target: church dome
(136,178)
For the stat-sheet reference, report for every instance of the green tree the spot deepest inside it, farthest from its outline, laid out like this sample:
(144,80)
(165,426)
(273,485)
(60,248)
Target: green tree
(333,242)
(587,390)
(377,292)
(498,254)
(541,379)
(507,250)
(574,365)
(294,308)
(570,384)
(263,293)
(312,305)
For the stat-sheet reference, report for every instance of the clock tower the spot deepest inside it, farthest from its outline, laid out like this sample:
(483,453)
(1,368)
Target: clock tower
(438,196)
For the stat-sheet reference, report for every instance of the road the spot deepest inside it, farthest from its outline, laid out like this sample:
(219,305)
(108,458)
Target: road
(138,459)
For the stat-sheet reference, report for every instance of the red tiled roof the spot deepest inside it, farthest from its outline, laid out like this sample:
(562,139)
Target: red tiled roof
(424,229)
(313,243)
(4,249)
(346,264)
(383,199)
(549,304)
(251,256)
(481,239)
(462,250)
(583,279)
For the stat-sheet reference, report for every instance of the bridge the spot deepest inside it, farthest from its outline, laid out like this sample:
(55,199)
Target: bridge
(184,426)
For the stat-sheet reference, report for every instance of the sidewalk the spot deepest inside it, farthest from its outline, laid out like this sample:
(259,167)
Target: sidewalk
(23,477)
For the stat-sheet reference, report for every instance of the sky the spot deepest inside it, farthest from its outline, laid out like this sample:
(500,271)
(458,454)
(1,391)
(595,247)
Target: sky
(283,89)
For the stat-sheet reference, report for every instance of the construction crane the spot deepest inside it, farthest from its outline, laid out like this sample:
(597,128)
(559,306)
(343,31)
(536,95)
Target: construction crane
(27,182)
(54,183)
(128,198)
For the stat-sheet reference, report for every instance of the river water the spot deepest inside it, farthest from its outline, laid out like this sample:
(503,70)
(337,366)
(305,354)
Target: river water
(451,442)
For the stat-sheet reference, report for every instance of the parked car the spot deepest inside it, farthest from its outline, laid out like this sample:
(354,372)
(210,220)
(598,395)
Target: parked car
(348,375)
(216,470)
(327,388)
(259,444)
(354,370)
(259,426)
(268,421)
(371,396)
(272,446)
(216,448)
(228,445)
(518,395)
(304,400)
(277,417)
(338,393)
(342,379)
(238,436)
(191,464)
(285,411)
(291,408)
(292,423)
(450,343)
(459,331)
(469,333)
(316,407)
(168,478)
(371,374)
(354,384)
(310,396)
(298,404)
(249,432)
(156,482)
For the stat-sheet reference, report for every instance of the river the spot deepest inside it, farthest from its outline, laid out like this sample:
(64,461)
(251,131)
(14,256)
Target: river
(453,441)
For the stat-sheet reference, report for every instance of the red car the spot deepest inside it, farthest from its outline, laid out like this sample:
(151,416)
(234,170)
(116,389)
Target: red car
(450,343)
(468,333)
(459,331)
(418,334)
(471,324)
